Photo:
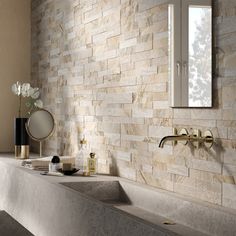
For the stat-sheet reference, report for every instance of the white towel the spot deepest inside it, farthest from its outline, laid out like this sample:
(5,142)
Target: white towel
(42,163)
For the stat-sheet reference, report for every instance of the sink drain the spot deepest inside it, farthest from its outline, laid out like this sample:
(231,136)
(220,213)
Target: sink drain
(168,222)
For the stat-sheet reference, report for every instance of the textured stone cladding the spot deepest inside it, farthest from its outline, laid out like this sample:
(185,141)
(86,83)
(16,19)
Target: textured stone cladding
(103,69)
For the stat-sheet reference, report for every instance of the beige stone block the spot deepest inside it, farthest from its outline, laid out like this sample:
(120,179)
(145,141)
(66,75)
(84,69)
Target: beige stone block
(114,65)
(107,55)
(161,26)
(83,53)
(182,113)
(126,66)
(147,168)
(209,114)
(128,173)
(156,88)
(147,4)
(144,71)
(71,81)
(229,156)
(92,15)
(144,55)
(205,176)
(139,150)
(124,120)
(161,105)
(160,173)
(109,127)
(210,166)
(198,189)
(178,170)
(194,123)
(138,112)
(158,182)
(226,26)
(108,111)
(153,147)
(115,98)
(113,42)
(229,96)
(229,191)
(229,114)
(159,132)
(220,132)
(145,46)
(134,129)
(128,34)
(128,43)
(112,139)
(229,170)
(232,133)
(111,4)
(116,81)
(100,38)
(135,138)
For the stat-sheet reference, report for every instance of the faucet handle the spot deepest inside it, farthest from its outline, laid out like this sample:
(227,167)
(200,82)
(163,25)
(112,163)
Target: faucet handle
(196,135)
(183,132)
(208,139)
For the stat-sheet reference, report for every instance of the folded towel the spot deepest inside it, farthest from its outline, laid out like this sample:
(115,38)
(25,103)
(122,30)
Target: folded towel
(42,163)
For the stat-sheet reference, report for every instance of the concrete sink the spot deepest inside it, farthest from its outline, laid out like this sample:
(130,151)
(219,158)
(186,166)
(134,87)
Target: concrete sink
(110,192)
(181,215)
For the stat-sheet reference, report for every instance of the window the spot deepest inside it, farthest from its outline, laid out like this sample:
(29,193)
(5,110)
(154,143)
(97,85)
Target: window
(190,53)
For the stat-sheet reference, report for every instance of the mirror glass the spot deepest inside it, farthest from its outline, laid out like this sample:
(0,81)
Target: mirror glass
(190,53)
(40,125)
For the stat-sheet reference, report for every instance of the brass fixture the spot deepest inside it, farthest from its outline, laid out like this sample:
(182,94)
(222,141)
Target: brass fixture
(168,222)
(195,138)
(208,138)
(21,151)
(181,137)
(185,133)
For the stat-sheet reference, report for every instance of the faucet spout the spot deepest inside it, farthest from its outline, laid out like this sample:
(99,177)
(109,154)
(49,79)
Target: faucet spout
(173,138)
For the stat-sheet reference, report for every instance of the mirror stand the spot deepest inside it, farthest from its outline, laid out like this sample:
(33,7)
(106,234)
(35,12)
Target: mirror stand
(40,149)
(40,126)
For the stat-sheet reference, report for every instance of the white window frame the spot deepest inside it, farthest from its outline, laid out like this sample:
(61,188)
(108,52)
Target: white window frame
(178,57)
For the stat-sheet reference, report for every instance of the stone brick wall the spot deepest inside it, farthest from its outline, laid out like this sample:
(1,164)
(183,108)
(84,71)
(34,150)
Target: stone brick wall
(102,66)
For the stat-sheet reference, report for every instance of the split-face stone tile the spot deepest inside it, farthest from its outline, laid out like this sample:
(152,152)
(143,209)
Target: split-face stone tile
(103,68)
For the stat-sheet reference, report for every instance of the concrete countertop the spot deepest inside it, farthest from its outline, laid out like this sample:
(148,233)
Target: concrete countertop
(46,207)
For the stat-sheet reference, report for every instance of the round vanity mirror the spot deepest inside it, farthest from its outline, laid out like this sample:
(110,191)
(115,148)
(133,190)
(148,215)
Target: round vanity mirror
(40,126)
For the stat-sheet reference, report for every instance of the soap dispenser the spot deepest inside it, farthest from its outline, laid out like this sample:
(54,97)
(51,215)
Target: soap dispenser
(92,164)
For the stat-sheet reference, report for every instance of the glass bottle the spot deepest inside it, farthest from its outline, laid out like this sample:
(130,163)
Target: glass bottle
(92,164)
(80,160)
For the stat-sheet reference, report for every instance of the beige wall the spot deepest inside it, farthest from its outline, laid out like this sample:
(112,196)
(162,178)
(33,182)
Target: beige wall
(103,69)
(14,62)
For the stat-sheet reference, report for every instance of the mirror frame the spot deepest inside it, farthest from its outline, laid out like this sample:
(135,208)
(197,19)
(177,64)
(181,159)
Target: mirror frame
(28,122)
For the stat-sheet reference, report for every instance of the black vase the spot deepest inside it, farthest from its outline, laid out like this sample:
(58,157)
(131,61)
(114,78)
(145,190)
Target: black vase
(21,139)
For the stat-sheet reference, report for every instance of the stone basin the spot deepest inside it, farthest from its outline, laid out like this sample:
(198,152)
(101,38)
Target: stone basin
(156,206)
(110,192)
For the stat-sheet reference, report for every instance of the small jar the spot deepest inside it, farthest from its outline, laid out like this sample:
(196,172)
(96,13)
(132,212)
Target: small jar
(53,167)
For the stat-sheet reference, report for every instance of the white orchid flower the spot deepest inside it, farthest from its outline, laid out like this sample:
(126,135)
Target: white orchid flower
(25,90)
(38,103)
(35,93)
(31,91)
(16,88)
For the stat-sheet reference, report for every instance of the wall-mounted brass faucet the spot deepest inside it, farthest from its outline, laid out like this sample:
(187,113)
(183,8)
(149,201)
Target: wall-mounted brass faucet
(195,138)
